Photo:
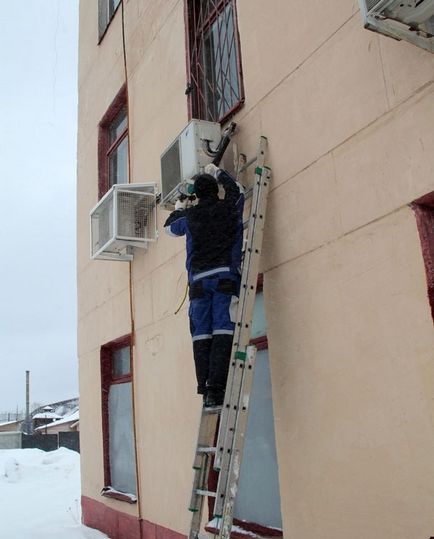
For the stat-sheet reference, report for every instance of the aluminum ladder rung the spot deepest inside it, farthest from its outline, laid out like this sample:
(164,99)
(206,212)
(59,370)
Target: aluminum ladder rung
(210,449)
(202,492)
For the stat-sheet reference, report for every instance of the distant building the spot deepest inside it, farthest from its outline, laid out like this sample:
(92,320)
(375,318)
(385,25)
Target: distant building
(44,418)
(61,408)
(69,423)
(10,426)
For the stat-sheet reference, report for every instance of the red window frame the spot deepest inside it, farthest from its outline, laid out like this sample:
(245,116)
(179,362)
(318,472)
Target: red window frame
(424,212)
(105,148)
(261,342)
(107,380)
(196,28)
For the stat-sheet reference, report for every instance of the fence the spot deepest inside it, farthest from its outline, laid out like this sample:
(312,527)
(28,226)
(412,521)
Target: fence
(10,440)
(46,442)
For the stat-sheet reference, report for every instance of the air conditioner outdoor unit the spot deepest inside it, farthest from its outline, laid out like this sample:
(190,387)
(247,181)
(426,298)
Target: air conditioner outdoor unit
(123,219)
(185,157)
(411,20)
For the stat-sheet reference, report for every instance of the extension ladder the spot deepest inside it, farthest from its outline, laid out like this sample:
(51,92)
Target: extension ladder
(232,416)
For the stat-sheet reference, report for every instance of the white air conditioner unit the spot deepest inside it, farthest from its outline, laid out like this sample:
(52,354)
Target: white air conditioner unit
(185,157)
(123,219)
(411,20)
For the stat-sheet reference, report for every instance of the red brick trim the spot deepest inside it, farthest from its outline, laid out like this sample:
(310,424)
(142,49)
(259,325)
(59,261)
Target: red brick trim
(111,522)
(118,525)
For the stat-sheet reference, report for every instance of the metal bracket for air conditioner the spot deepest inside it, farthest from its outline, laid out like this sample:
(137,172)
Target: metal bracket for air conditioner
(409,20)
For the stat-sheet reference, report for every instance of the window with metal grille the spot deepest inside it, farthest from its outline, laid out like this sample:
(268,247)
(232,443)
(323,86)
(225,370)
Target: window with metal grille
(215,87)
(113,145)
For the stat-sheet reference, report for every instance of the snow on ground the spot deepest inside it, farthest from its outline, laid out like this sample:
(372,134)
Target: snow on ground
(40,495)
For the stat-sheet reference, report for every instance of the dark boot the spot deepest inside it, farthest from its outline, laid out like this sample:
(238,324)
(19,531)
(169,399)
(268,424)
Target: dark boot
(219,358)
(213,398)
(201,353)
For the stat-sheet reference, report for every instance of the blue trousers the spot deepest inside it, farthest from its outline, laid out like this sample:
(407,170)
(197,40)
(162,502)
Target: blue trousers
(213,303)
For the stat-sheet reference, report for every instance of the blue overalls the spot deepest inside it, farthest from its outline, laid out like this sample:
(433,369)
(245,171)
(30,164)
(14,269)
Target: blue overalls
(213,265)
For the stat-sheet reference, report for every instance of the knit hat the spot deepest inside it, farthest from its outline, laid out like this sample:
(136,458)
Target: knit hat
(205,186)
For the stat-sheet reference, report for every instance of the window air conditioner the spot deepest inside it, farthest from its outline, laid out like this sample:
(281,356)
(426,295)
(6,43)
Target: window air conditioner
(185,157)
(411,20)
(124,218)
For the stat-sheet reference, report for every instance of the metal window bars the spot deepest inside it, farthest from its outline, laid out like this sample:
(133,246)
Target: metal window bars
(215,82)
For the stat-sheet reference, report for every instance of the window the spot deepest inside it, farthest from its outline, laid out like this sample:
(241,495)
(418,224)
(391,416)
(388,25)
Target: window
(113,145)
(424,211)
(214,68)
(117,416)
(106,10)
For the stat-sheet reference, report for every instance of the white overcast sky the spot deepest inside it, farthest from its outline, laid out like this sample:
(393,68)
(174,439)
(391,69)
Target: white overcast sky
(38,104)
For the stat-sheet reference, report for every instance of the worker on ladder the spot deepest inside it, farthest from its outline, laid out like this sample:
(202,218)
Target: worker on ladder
(214,235)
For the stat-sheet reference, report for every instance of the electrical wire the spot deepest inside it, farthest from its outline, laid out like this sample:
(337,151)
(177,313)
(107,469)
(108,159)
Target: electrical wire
(183,300)
(130,282)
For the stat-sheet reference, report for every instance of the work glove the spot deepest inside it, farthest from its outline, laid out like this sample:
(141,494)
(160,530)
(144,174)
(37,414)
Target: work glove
(181,203)
(212,170)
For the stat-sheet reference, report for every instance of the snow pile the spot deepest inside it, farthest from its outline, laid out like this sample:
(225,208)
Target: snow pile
(40,495)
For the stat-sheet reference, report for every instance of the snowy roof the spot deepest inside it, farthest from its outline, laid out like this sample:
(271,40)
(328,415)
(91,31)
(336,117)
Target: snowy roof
(9,423)
(47,415)
(74,417)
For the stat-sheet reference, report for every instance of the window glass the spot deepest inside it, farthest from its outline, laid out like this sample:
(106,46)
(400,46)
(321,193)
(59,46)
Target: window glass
(121,363)
(118,126)
(259,464)
(118,163)
(259,323)
(121,439)
(106,9)
(220,84)
(112,5)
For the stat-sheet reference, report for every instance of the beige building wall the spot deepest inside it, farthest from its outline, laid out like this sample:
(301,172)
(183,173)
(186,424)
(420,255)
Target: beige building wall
(348,115)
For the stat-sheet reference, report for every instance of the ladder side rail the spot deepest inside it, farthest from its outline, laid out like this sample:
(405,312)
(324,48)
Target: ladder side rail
(247,300)
(197,500)
(240,430)
(227,455)
(226,436)
(201,467)
(246,287)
